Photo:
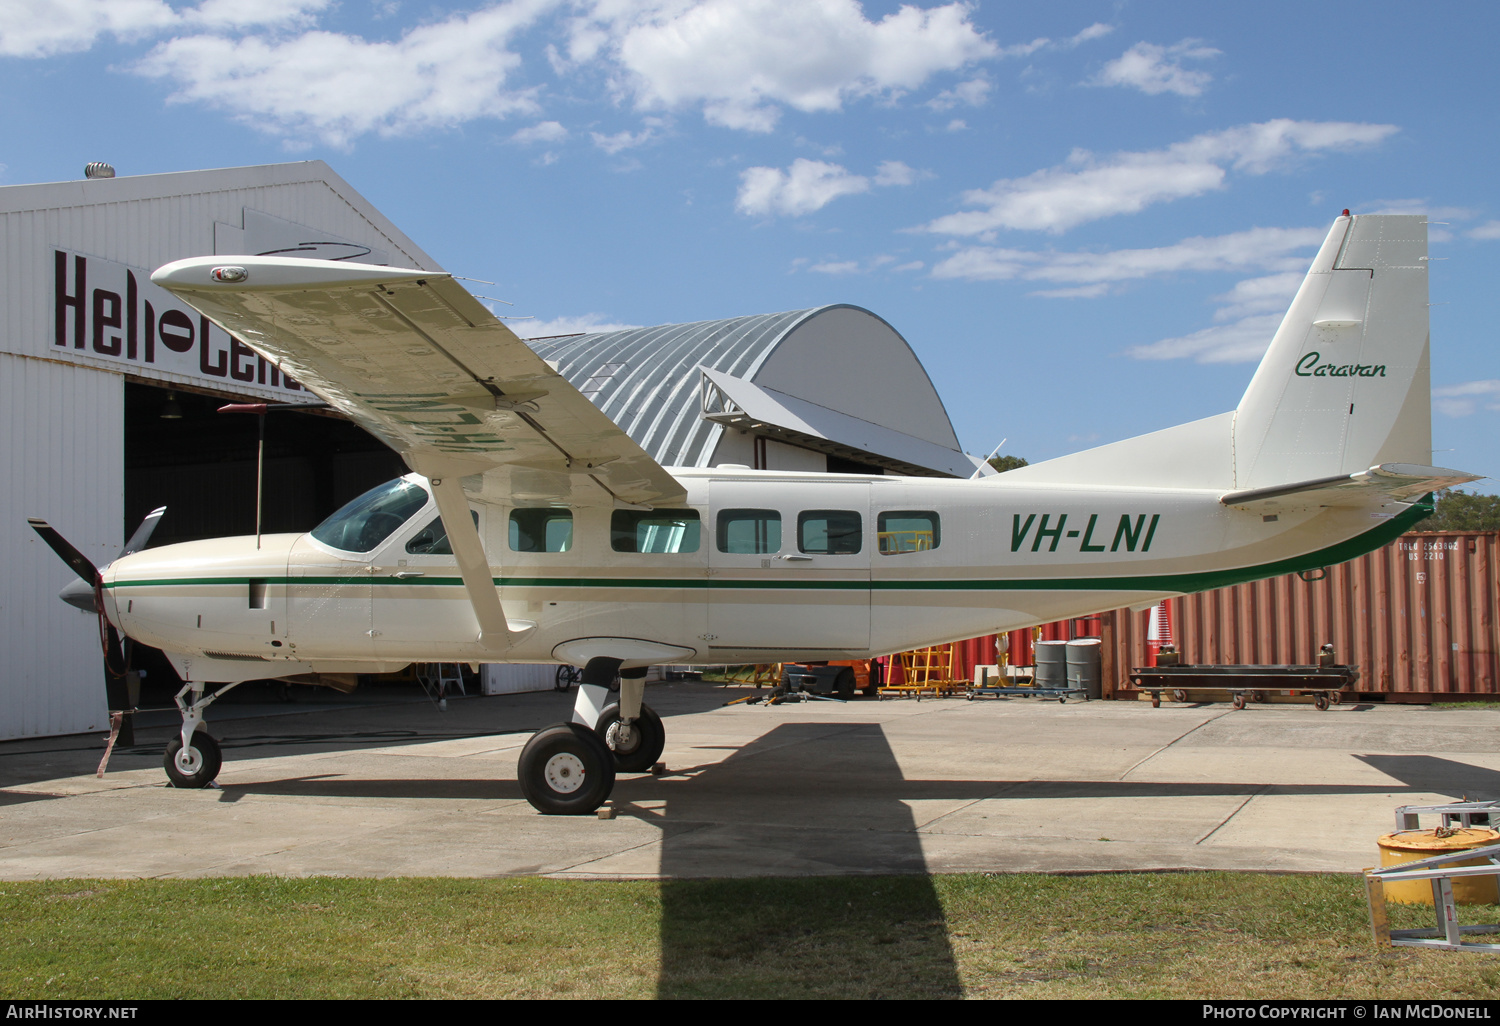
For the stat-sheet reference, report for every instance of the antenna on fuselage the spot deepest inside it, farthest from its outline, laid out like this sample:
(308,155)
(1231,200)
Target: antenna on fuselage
(993,453)
(260,457)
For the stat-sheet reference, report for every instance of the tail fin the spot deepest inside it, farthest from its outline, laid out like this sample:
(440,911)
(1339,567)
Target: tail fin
(1344,385)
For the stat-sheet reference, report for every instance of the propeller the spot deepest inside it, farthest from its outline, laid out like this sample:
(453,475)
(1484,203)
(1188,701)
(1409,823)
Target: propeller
(121,680)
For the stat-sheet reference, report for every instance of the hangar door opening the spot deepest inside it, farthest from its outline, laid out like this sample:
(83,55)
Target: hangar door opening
(201,464)
(183,454)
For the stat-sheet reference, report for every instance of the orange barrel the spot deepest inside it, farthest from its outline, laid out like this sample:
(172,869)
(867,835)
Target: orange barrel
(1413,845)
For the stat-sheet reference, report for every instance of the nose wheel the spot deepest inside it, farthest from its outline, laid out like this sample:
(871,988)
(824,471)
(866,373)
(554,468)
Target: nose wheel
(195,765)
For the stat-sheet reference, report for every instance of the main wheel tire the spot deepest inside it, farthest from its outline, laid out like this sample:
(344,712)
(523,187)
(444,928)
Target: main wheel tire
(195,766)
(566,677)
(843,684)
(646,747)
(565,770)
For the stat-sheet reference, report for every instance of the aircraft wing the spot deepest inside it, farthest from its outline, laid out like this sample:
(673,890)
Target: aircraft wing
(1396,482)
(417,361)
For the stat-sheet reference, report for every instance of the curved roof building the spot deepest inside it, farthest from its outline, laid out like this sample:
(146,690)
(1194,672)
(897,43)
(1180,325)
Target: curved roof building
(832,388)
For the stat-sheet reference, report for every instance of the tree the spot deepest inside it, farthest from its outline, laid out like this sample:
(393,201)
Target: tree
(1004,463)
(1462,511)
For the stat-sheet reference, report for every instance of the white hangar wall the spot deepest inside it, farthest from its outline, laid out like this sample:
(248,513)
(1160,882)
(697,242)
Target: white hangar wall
(62,405)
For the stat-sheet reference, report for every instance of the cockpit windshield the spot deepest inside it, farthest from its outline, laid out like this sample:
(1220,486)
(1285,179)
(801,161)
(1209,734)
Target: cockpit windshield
(370,519)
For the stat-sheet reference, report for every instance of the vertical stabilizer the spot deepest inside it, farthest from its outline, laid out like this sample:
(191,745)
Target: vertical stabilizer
(1344,385)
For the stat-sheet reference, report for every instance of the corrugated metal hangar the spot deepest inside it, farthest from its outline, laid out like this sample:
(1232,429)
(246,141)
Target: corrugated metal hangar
(109,387)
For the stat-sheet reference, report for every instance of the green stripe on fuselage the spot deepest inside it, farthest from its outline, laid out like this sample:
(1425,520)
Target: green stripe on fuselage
(1342,552)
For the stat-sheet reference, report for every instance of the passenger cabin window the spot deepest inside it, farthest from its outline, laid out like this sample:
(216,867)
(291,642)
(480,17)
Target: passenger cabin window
(749,531)
(432,540)
(655,530)
(907,530)
(365,522)
(829,532)
(543,529)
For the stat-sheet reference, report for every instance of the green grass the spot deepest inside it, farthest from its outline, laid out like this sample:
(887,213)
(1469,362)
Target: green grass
(1190,935)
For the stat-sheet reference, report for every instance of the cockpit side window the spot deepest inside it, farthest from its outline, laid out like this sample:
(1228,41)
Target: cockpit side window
(365,522)
(432,540)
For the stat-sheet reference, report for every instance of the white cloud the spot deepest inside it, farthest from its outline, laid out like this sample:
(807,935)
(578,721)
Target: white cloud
(806,186)
(1461,400)
(1098,30)
(582,324)
(1251,310)
(893,172)
(839,267)
(41,28)
(1244,341)
(1270,294)
(974,93)
(1272,249)
(613,144)
(1158,69)
(1254,309)
(336,87)
(957,125)
(810,185)
(541,132)
(1076,292)
(1088,188)
(1488,230)
(742,61)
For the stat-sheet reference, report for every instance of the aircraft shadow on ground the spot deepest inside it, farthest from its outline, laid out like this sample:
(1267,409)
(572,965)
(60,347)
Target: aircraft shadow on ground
(845,780)
(1430,774)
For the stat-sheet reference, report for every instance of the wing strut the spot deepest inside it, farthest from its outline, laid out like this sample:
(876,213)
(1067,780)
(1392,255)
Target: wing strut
(473,564)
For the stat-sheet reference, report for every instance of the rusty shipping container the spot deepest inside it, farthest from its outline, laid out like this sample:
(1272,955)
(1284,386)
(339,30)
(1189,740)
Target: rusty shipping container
(1419,617)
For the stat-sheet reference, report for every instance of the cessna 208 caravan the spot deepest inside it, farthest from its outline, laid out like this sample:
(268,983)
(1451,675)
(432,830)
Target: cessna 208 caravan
(533,529)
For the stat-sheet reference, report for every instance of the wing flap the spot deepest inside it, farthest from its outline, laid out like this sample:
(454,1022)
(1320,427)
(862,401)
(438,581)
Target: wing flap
(416,360)
(1395,482)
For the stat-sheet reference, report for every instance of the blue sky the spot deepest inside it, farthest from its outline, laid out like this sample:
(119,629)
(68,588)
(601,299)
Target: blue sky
(1086,218)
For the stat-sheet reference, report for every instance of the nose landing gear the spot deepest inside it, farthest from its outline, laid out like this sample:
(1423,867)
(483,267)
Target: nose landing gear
(195,765)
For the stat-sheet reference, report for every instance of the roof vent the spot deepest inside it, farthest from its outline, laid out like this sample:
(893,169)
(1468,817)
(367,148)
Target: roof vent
(98,169)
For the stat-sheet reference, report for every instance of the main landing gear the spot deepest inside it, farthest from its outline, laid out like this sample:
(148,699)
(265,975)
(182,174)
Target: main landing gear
(569,768)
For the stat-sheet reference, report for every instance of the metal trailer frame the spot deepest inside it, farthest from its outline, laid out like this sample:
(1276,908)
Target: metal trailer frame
(1326,684)
(1447,934)
(985,689)
(1408,817)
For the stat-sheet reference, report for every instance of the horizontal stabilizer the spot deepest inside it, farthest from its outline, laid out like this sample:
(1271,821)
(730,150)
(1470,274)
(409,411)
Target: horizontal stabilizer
(1398,482)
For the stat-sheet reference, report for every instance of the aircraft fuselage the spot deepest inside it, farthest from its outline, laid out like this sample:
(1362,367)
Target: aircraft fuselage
(756,566)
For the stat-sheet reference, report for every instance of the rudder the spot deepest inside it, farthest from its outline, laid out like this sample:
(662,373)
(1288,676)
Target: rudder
(1345,384)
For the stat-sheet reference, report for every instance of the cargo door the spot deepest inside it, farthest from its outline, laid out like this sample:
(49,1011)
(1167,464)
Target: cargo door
(789,566)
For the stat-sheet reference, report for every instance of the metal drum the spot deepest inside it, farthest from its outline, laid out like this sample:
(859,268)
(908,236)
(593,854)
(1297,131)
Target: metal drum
(1051,664)
(1083,666)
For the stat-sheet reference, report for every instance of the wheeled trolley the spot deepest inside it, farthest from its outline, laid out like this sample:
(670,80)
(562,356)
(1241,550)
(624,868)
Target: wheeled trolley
(1326,684)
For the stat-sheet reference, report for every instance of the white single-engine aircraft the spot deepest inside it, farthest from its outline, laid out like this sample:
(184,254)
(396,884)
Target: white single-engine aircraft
(535,530)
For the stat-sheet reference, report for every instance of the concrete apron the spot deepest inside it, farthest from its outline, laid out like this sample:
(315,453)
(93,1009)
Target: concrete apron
(942,786)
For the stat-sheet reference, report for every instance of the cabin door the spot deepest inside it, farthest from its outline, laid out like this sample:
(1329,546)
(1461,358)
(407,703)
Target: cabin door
(789,566)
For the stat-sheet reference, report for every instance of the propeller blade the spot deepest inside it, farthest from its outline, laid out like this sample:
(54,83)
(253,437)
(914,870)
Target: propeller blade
(142,534)
(66,552)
